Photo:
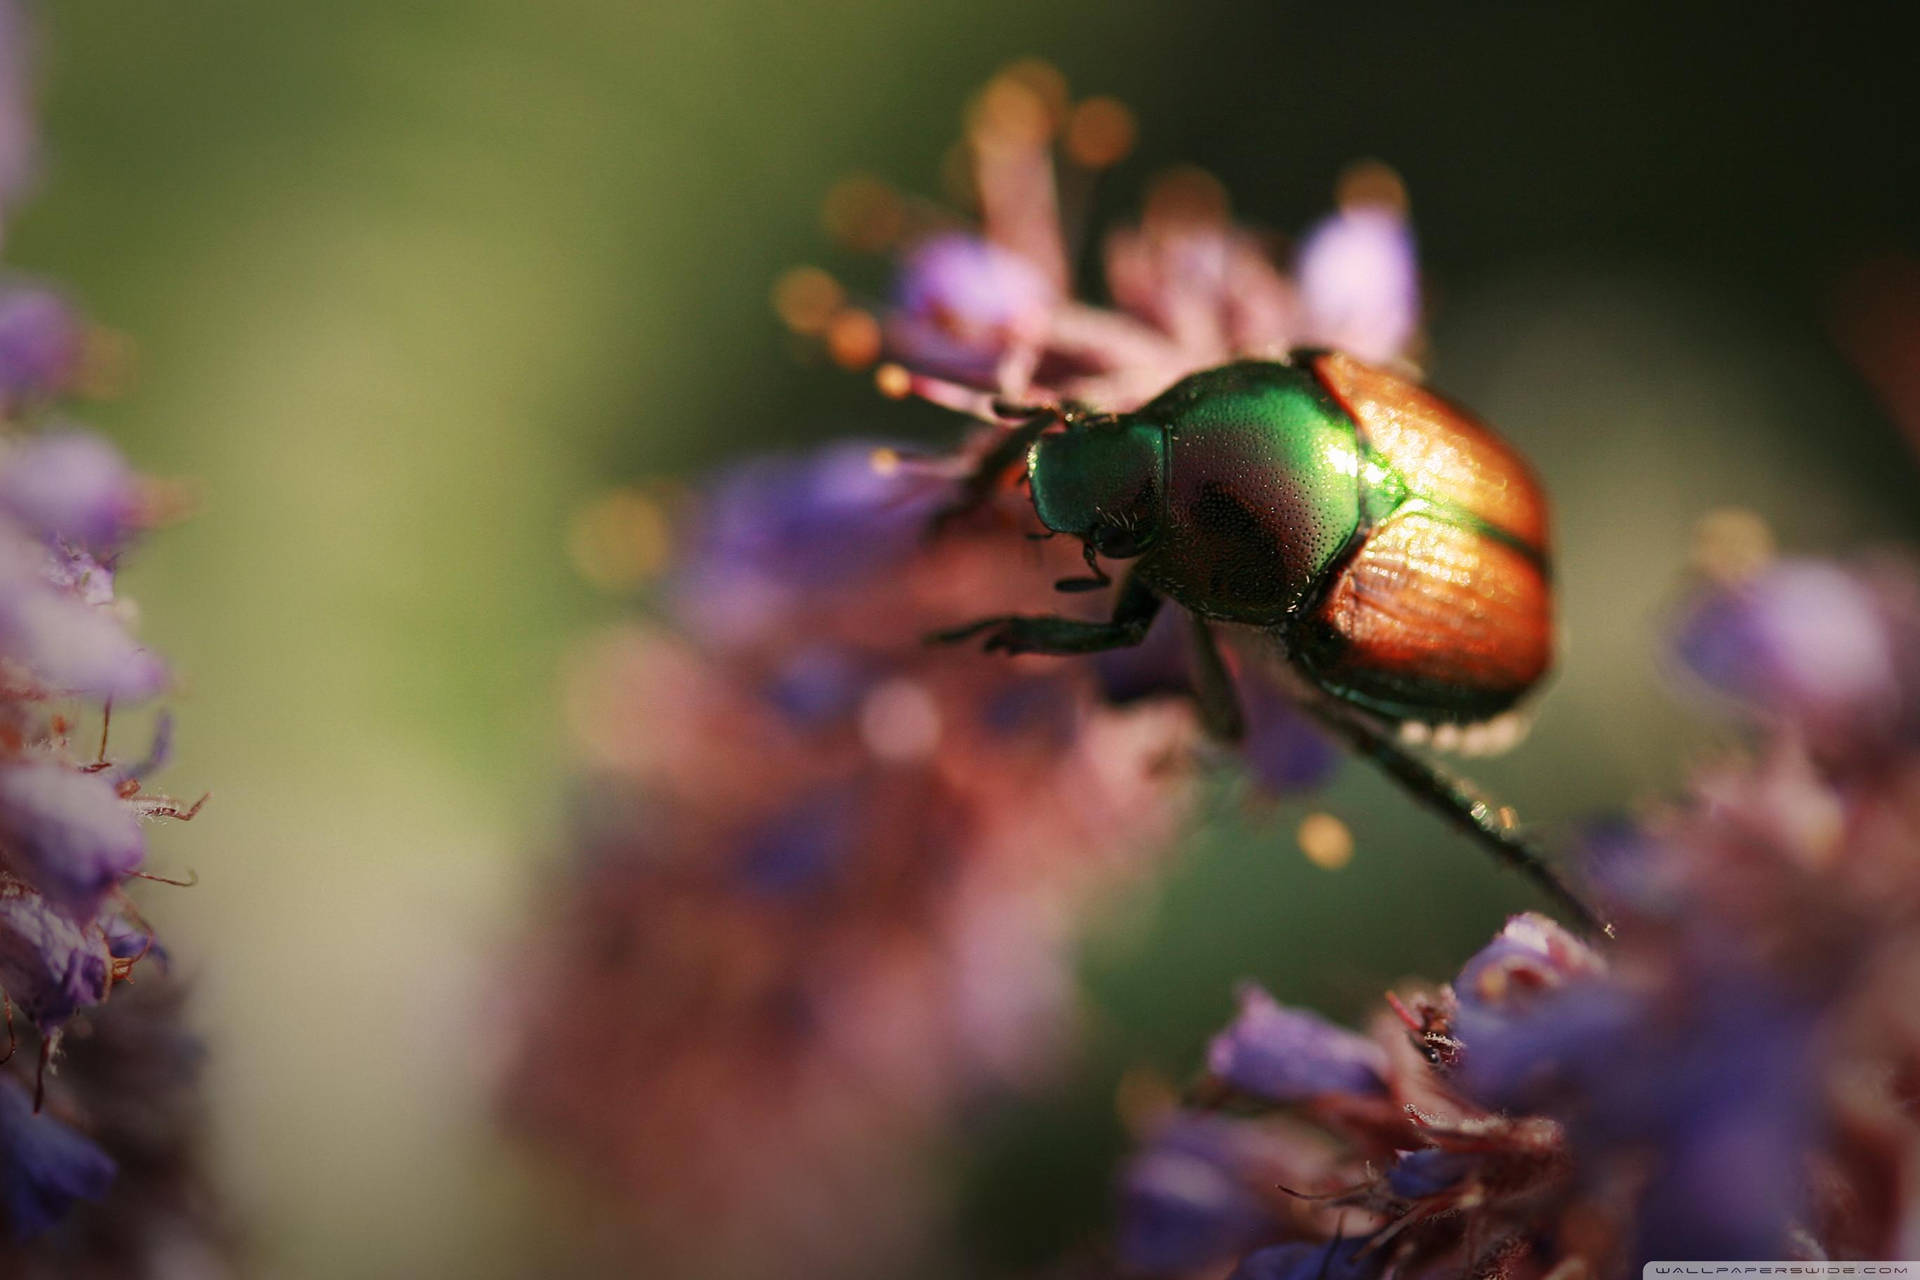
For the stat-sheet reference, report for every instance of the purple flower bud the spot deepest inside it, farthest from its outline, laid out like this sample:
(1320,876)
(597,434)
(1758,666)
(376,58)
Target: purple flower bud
(1334,1260)
(1183,1201)
(1803,639)
(127,940)
(41,343)
(44,1165)
(1531,955)
(50,967)
(70,647)
(71,486)
(67,833)
(964,301)
(1290,1055)
(1360,282)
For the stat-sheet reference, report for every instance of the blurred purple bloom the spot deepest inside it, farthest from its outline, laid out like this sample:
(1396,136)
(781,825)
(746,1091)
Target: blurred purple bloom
(1418,1175)
(802,846)
(1161,664)
(73,648)
(774,527)
(818,685)
(1289,1055)
(1802,639)
(1360,283)
(67,833)
(42,340)
(73,487)
(1335,1260)
(44,1165)
(1530,956)
(1284,748)
(963,302)
(1184,1200)
(50,967)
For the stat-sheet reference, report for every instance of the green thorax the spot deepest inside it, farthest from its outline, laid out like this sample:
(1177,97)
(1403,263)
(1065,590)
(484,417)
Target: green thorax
(1266,488)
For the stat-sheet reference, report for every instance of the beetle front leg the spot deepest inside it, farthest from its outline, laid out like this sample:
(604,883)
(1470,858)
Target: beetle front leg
(1133,613)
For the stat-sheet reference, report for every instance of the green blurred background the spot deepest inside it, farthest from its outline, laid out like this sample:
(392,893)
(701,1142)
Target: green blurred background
(411,281)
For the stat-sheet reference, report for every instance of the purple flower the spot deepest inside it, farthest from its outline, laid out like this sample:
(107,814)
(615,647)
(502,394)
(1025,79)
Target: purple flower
(42,340)
(67,833)
(1289,1055)
(71,648)
(44,1165)
(802,846)
(1284,748)
(1530,956)
(964,303)
(775,527)
(1419,1175)
(1802,639)
(1184,1200)
(1360,282)
(71,487)
(1337,1259)
(50,967)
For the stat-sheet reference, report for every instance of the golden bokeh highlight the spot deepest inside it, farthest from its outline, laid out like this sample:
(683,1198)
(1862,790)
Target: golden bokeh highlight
(1100,133)
(620,540)
(806,300)
(1325,840)
(893,381)
(1020,108)
(854,339)
(1370,184)
(1731,544)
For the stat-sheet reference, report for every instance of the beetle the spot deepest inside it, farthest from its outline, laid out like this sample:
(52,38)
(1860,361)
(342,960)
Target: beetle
(1380,542)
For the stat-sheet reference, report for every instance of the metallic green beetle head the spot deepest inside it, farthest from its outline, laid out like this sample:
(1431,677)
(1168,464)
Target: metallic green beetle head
(1103,480)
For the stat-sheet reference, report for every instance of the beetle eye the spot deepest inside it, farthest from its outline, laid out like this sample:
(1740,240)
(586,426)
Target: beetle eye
(1118,542)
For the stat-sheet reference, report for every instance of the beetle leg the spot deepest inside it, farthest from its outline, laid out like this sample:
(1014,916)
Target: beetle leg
(1459,803)
(1009,451)
(1213,688)
(1133,613)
